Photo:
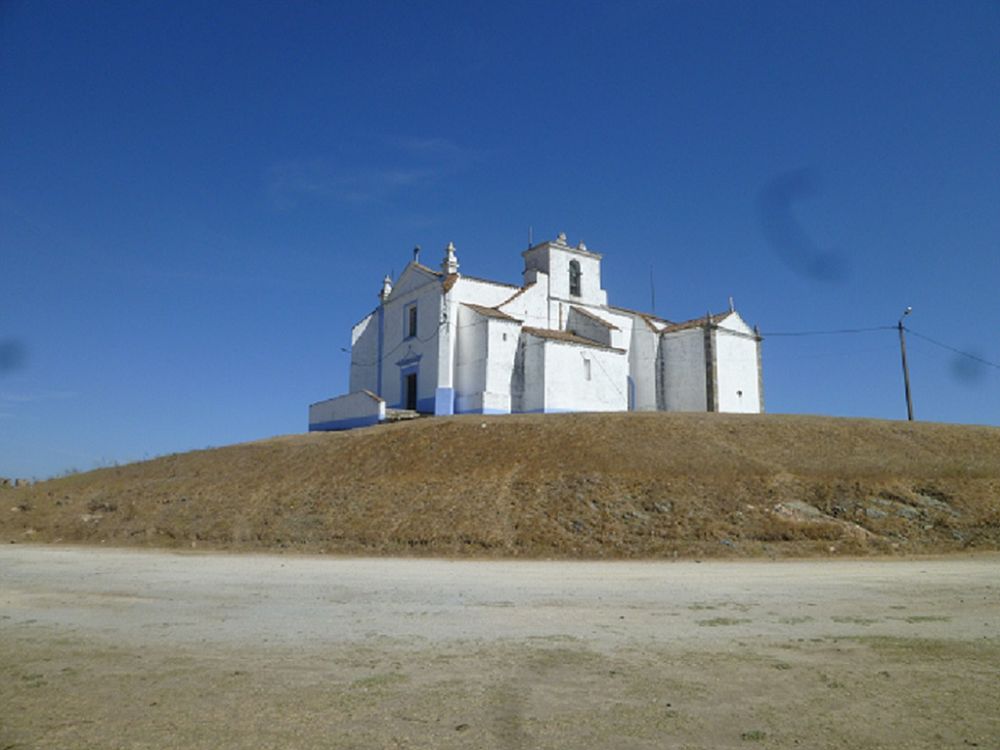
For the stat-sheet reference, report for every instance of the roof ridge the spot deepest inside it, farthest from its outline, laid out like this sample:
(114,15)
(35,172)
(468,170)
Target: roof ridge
(567,338)
(711,319)
(586,313)
(490,312)
(489,281)
(629,310)
(517,294)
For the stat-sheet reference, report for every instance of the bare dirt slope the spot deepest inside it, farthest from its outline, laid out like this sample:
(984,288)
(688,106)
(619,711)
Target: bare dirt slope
(585,485)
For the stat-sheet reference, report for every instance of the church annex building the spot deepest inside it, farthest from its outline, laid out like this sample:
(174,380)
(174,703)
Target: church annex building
(440,342)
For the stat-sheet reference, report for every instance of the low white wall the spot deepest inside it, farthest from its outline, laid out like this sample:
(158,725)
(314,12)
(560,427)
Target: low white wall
(358,409)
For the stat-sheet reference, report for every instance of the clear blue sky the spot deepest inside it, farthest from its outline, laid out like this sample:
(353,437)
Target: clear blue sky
(197,200)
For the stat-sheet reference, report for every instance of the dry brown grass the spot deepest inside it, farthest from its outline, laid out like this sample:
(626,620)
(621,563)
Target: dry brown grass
(583,485)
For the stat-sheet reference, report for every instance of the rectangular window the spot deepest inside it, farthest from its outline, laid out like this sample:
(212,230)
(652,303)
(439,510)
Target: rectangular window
(586,369)
(411,321)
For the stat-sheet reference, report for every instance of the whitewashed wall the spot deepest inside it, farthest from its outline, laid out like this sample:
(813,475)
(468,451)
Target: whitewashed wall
(682,356)
(554,259)
(425,290)
(528,378)
(487,348)
(736,367)
(501,348)
(447,353)
(478,292)
(532,305)
(364,355)
(347,412)
(566,385)
(643,357)
(588,328)
(470,360)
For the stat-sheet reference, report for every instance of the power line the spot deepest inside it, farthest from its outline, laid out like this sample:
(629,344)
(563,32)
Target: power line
(953,349)
(928,339)
(831,333)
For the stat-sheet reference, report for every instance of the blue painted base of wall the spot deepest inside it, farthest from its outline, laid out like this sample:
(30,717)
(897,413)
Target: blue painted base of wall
(444,401)
(343,424)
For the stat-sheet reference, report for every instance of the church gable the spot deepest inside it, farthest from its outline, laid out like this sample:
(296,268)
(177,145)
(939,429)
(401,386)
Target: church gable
(414,277)
(733,322)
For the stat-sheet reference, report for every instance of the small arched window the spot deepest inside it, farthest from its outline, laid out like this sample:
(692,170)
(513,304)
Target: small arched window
(574,278)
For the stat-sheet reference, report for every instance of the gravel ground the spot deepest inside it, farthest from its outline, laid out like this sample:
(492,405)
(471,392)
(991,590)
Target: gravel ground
(133,649)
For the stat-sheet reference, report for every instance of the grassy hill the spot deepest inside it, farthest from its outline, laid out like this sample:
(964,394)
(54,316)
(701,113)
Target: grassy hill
(582,485)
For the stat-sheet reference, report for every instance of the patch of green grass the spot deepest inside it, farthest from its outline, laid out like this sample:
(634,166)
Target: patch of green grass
(379,681)
(722,621)
(754,735)
(855,620)
(985,651)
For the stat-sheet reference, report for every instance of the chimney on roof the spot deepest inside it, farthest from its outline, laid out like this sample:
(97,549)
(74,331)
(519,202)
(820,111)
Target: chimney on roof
(450,263)
(416,253)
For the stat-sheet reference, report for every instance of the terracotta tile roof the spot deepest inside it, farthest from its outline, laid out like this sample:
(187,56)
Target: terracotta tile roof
(645,316)
(650,324)
(449,281)
(697,322)
(568,338)
(517,294)
(591,316)
(488,281)
(490,312)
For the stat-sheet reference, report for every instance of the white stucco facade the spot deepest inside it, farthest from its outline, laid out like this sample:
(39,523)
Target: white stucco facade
(440,342)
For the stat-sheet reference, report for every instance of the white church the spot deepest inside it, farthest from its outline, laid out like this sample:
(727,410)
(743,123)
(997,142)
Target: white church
(441,342)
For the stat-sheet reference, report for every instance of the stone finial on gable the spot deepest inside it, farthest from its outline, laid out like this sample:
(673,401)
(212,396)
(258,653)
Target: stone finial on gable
(386,288)
(561,238)
(450,263)
(582,247)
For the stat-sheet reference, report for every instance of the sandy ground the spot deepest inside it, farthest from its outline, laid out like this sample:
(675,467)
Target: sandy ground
(135,649)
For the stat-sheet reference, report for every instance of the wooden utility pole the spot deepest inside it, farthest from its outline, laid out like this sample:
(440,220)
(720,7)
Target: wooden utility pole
(906,369)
